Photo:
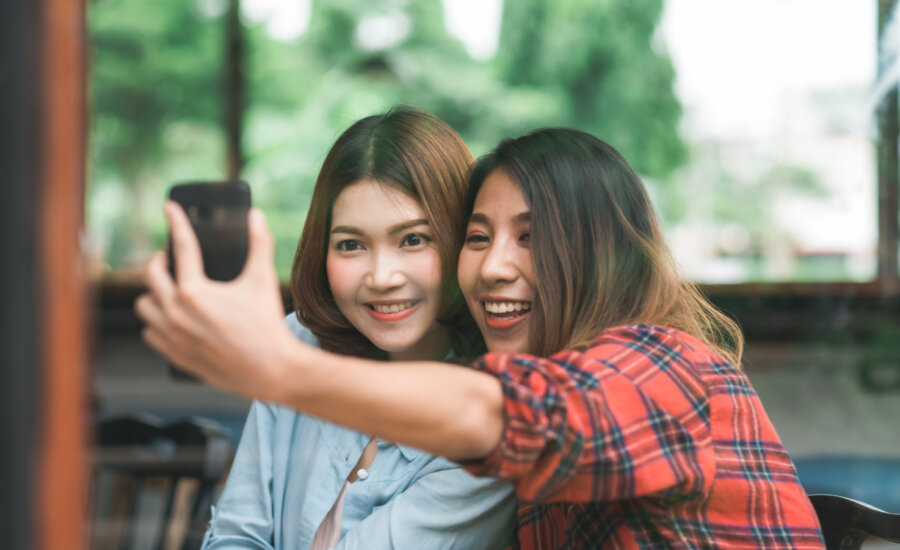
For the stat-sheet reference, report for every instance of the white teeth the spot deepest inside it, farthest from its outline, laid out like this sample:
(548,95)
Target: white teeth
(506,307)
(392,308)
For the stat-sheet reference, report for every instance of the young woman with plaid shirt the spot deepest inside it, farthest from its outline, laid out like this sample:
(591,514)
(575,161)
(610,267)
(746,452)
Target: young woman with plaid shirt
(611,397)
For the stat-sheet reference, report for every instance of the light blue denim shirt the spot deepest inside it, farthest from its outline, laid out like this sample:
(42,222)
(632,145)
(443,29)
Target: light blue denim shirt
(289,469)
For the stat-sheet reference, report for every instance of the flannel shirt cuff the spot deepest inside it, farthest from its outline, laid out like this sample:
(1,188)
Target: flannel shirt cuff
(522,439)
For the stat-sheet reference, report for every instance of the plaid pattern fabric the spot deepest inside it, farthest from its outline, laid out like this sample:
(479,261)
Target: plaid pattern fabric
(647,439)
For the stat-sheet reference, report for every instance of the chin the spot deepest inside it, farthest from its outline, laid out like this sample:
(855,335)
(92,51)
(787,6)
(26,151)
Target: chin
(393,345)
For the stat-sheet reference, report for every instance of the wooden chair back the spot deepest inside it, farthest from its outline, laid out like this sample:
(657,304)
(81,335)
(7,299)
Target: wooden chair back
(154,482)
(846,523)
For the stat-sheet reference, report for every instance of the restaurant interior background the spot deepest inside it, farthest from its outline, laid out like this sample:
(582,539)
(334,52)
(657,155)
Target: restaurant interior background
(766,131)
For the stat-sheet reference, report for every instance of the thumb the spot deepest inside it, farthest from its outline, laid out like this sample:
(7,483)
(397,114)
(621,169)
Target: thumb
(261,247)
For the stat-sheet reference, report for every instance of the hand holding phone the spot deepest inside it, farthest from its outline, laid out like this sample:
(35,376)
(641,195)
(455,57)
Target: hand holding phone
(218,214)
(230,335)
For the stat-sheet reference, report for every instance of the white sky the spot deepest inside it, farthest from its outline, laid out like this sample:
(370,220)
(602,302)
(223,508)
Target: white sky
(748,71)
(285,19)
(736,59)
(476,23)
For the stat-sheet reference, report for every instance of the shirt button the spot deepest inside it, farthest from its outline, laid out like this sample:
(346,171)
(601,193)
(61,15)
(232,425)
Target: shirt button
(362,473)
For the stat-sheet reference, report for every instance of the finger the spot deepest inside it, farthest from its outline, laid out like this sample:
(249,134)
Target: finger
(185,247)
(160,343)
(261,250)
(148,310)
(158,279)
(156,340)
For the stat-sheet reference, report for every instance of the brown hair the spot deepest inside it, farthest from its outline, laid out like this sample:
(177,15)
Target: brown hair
(419,154)
(599,256)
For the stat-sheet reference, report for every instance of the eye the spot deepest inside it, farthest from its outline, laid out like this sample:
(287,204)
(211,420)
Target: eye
(525,237)
(348,245)
(415,239)
(477,240)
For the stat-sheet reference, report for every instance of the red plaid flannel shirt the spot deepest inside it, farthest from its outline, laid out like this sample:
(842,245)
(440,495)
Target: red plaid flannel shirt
(647,439)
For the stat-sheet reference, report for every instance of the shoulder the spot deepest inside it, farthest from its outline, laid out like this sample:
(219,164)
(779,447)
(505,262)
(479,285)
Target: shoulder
(656,340)
(609,346)
(635,350)
(640,333)
(659,356)
(300,331)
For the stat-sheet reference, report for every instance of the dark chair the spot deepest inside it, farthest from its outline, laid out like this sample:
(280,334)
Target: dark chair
(846,523)
(153,482)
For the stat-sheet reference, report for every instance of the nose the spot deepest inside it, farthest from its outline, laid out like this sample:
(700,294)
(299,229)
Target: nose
(500,263)
(384,272)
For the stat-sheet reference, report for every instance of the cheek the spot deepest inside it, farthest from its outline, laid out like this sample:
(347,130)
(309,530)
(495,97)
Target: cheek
(526,268)
(425,269)
(467,272)
(343,277)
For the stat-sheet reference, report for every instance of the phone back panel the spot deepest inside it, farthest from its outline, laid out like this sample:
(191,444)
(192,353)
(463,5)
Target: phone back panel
(218,213)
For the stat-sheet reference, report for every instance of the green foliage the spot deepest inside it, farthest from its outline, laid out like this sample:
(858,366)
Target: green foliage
(154,93)
(600,61)
(152,65)
(156,98)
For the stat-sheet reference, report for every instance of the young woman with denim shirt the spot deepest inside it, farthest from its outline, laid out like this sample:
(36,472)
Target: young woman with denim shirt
(374,276)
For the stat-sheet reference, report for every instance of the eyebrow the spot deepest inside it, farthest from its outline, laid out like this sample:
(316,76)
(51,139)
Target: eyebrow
(400,227)
(518,218)
(392,230)
(346,229)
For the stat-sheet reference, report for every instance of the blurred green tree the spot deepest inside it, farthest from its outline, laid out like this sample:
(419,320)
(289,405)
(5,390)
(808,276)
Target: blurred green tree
(155,82)
(156,94)
(601,61)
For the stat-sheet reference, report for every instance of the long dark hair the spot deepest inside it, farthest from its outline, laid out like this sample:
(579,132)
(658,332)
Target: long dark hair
(599,256)
(419,154)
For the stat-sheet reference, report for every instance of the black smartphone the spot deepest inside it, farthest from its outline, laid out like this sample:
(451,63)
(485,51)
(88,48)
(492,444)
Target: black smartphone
(218,213)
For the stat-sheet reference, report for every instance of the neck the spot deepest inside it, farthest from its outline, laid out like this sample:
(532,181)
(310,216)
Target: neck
(434,346)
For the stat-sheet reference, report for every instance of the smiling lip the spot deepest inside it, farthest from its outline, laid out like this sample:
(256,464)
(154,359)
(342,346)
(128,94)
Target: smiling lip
(391,316)
(508,319)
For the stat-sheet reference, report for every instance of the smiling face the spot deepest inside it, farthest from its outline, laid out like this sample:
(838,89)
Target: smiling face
(384,270)
(496,272)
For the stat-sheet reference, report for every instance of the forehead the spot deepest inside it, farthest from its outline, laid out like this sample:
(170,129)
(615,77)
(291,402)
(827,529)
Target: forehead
(369,200)
(500,192)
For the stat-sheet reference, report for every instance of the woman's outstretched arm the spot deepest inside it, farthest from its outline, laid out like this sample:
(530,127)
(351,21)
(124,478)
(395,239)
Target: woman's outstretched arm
(232,336)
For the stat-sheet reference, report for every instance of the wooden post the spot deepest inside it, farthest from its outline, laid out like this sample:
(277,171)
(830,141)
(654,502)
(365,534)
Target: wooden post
(62,481)
(888,164)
